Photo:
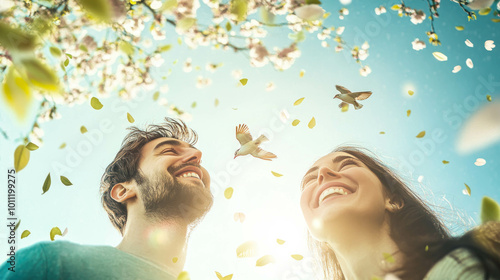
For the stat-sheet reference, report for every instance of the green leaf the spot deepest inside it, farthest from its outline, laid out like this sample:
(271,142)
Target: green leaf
(312,123)
(16,39)
(244,81)
(69,55)
(276,174)
(186,23)
(488,97)
(83,129)
(164,48)
(46,184)
(193,105)
(100,10)
(156,95)
(66,62)
(228,26)
(17,225)
(297,37)
(21,157)
(32,147)
(267,16)
(63,145)
(468,189)
(17,93)
(445,162)
(184,275)
(295,122)
(95,103)
(309,2)
(66,181)
(490,210)
(40,75)
(126,47)
(239,9)
(421,134)
(55,51)
(83,48)
(53,232)
(388,257)
(130,118)
(25,233)
(298,101)
(459,28)
(408,113)
(484,11)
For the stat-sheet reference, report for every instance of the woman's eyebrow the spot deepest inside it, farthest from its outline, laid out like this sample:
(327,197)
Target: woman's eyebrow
(311,170)
(341,158)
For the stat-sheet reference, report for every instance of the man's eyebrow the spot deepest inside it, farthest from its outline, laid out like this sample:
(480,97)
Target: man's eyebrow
(171,142)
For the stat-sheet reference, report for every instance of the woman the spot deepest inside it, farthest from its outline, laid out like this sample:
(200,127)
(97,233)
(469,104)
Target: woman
(365,223)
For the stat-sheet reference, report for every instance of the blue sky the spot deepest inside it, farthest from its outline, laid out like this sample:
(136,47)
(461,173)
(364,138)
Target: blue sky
(442,104)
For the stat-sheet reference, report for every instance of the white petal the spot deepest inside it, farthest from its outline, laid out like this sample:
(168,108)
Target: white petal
(469,43)
(309,12)
(456,69)
(480,162)
(469,63)
(481,130)
(420,178)
(489,44)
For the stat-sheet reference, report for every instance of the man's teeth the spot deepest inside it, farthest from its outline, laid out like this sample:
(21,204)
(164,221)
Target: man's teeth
(189,174)
(330,191)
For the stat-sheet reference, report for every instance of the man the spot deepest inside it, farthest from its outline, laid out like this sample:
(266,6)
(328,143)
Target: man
(155,192)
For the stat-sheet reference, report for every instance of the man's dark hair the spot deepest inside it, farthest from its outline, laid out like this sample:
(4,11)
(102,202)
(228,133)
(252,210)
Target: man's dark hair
(125,165)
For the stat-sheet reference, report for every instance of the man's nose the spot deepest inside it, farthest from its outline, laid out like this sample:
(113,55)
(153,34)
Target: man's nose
(192,156)
(325,172)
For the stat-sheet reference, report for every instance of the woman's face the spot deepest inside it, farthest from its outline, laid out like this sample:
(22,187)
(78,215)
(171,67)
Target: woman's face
(341,197)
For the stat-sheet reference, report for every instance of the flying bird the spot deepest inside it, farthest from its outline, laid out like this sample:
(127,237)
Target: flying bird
(249,146)
(349,97)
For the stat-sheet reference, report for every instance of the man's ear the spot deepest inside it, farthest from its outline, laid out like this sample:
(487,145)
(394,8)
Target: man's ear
(123,191)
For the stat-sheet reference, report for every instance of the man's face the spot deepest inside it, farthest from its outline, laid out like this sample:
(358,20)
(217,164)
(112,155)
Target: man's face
(171,182)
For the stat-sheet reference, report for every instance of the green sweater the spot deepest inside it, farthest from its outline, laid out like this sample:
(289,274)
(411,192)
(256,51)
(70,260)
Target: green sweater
(459,264)
(66,260)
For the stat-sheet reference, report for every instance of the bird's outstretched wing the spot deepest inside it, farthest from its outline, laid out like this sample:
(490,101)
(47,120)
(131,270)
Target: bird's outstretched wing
(265,155)
(342,89)
(361,95)
(242,134)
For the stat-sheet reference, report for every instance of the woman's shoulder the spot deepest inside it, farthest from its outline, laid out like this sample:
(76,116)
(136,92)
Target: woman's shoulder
(459,264)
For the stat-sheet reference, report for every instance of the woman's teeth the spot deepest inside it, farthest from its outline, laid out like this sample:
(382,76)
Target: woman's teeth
(333,190)
(189,174)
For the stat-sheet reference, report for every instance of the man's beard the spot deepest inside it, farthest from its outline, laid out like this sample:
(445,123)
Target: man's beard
(165,198)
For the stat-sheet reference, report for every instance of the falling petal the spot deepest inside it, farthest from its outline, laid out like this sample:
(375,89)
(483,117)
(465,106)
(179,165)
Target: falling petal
(156,95)
(490,210)
(388,257)
(488,97)
(227,277)
(276,174)
(281,242)
(175,259)
(480,162)
(130,118)
(312,123)
(468,43)
(439,56)
(95,103)
(298,101)
(469,63)
(481,129)
(83,129)
(46,184)
(297,257)
(65,232)
(456,69)
(247,249)
(295,122)
(63,145)
(420,178)
(445,162)
(459,28)
(489,45)
(184,275)
(302,73)
(408,113)
(66,181)
(25,233)
(382,132)
(284,115)
(239,217)
(421,134)
(216,102)
(244,81)
(467,190)
(228,193)
(265,260)
(53,232)
(21,157)
(485,11)
(411,92)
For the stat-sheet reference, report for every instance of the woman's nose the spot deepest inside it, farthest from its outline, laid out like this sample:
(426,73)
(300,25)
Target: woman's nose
(325,172)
